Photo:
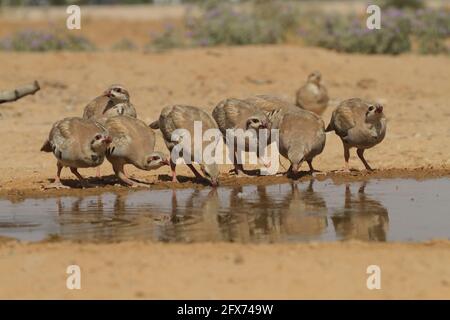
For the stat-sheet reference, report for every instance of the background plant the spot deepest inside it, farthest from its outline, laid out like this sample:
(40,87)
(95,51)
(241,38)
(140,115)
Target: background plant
(33,40)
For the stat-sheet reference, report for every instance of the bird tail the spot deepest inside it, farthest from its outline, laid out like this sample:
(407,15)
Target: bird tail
(47,147)
(154,125)
(330,126)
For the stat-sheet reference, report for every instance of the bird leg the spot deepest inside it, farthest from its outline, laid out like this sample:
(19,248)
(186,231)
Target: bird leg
(313,171)
(360,153)
(196,173)
(311,168)
(57,184)
(97,172)
(238,167)
(172,169)
(118,168)
(346,157)
(83,181)
(289,170)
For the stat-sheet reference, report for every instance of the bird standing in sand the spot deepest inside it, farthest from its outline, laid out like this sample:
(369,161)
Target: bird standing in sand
(133,142)
(233,114)
(301,136)
(184,117)
(313,96)
(76,143)
(360,124)
(115,101)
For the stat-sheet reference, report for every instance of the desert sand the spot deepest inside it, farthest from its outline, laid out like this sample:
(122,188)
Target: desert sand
(414,89)
(225,271)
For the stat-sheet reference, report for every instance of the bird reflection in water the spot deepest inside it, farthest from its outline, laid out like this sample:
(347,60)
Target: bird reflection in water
(262,213)
(246,214)
(362,218)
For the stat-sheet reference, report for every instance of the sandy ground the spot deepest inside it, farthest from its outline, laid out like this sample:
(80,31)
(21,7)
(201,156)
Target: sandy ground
(225,271)
(416,95)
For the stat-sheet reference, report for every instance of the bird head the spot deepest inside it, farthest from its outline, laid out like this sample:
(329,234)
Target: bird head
(156,160)
(315,77)
(117,93)
(211,173)
(100,142)
(374,112)
(258,121)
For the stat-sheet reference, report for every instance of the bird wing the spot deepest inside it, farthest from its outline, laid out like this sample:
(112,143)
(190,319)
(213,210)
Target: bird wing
(96,107)
(343,120)
(232,113)
(63,138)
(270,103)
(120,136)
(130,110)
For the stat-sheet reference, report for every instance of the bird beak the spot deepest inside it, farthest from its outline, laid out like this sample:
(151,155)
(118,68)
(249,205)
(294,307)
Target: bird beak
(107,93)
(379,109)
(165,162)
(107,140)
(214,183)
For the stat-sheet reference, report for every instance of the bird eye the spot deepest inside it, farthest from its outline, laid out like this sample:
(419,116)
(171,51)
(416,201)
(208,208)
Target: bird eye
(98,137)
(371,108)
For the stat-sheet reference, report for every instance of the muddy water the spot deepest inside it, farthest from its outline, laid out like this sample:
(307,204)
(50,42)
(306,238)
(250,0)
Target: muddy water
(379,210)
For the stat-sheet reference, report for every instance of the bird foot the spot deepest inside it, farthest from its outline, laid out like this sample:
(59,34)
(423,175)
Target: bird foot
(87,185)
(317,173)
(55,185)
(238,173)
(346,171)
(140,185)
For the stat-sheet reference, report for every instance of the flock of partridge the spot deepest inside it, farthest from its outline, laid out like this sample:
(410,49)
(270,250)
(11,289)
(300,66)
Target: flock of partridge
(110,128)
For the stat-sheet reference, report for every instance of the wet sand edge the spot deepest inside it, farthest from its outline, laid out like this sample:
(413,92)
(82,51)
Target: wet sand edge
(161,183)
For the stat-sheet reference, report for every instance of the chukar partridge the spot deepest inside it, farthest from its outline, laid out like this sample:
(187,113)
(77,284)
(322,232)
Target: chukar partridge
(133,142)
(313,96)
(235,114)
(184,117)
(301,136)
(113,102)
(360,124)
(77,143)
